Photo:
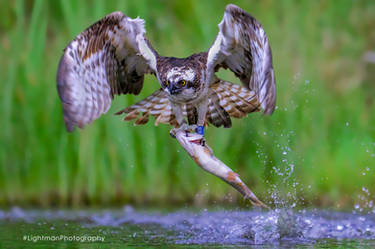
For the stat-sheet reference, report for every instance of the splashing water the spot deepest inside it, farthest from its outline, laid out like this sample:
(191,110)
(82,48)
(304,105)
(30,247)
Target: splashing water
(127,226)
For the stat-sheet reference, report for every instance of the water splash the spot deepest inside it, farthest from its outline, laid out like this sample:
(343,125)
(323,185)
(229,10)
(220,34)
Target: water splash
(213,227)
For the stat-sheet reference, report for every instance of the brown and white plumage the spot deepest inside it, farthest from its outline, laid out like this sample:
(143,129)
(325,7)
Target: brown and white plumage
(109,58)
(112,56)
(225,100)
(242,46)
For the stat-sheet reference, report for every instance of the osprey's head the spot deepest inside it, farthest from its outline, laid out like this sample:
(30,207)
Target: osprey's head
(180,81)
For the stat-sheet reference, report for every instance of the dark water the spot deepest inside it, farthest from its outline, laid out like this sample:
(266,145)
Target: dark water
(127,228)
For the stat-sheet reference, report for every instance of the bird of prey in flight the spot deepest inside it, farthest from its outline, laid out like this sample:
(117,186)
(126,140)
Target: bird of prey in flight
(112,56)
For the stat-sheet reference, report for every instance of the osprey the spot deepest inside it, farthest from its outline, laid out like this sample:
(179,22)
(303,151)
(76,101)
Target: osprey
(112,56)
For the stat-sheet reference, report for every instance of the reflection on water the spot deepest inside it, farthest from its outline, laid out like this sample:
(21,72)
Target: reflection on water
(126,227)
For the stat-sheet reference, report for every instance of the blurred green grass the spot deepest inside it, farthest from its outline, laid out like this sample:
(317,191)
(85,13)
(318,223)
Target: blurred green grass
(321,133)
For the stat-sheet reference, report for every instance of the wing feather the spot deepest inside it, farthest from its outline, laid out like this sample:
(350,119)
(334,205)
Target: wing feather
(109,58)
(242,46)
(231,100)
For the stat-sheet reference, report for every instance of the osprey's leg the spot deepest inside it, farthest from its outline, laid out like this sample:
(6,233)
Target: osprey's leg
(202,112)
(182,125)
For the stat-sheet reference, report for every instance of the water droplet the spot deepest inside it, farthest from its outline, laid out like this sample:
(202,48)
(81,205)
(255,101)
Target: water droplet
(291,167)
(370,204)
(366,190)
(339,227)
(347,123)
(284,152)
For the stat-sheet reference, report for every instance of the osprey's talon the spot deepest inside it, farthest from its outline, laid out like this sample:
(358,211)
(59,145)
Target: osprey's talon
(172,133)
(192,127)
(203,141)
(200,141)
(188,128)
(183,127)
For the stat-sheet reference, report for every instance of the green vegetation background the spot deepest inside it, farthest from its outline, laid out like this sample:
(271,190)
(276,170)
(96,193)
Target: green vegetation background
(318,147)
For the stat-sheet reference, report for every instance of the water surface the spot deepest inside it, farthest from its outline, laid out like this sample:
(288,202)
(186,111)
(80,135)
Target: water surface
(128,227)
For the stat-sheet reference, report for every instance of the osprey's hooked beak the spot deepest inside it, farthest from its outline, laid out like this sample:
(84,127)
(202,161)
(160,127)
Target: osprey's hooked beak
(173,89)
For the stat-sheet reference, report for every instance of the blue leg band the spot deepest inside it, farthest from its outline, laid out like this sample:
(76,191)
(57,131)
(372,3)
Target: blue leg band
(200,130)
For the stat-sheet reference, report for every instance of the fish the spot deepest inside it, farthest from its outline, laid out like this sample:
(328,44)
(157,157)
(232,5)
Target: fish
(195,145)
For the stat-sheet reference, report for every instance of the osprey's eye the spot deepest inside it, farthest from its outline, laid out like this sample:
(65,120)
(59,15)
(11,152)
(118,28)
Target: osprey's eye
(182,82)
(166,83)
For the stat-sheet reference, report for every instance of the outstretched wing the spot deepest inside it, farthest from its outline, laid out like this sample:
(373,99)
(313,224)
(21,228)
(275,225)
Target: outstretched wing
(242,46)
(110,57)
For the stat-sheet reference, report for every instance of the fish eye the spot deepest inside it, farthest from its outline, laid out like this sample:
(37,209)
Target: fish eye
(182,82)
(166,83)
